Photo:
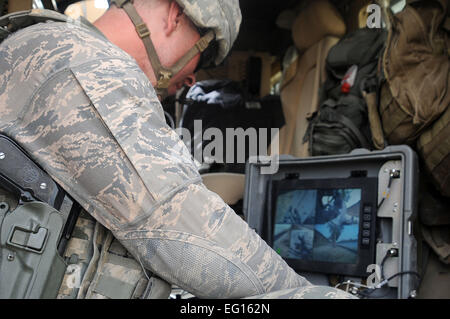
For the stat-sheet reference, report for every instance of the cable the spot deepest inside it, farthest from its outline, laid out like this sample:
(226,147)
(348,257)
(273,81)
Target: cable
(404,273)
(394,173)
(389,253)
(383,284)
(348,282)
(368,292)
(387,191)
(393,252)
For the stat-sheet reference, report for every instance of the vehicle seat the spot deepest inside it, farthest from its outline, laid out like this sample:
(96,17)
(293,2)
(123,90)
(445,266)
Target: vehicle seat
(229,186)
(317,28)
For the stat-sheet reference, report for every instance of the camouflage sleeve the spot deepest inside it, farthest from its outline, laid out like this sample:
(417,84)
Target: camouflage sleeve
(98,129)
(307,292)
(180,230)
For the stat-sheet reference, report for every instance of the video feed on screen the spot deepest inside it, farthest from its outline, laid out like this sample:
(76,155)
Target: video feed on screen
(318,225)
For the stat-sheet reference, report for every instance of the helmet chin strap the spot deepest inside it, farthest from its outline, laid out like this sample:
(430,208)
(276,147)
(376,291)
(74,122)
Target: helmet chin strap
(163,75)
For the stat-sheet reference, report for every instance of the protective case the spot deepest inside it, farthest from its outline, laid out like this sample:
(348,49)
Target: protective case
(396,170)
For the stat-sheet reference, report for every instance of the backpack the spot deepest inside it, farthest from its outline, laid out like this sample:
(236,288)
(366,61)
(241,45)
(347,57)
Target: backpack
(415,95)
(341,123)
(416,70)
(434,148)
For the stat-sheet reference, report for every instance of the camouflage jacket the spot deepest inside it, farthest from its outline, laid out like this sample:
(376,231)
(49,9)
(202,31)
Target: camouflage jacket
(86,113)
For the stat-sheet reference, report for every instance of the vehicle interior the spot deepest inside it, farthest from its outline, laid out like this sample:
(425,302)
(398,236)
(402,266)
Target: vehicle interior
(276,71)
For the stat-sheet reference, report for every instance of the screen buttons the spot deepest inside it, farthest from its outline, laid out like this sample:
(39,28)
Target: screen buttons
(367,209)
(367,213)
(367,219)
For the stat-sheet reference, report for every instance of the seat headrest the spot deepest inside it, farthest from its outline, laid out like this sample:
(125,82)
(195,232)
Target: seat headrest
(316,21)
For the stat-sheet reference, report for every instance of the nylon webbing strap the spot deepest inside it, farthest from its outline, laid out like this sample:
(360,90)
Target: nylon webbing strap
(162,74)
(199,47)
(144,33)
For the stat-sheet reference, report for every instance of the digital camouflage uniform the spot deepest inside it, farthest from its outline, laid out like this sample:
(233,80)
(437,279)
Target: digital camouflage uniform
(86,113)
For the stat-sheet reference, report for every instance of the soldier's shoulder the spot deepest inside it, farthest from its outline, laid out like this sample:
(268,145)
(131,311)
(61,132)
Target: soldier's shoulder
(64,39)
(33,57)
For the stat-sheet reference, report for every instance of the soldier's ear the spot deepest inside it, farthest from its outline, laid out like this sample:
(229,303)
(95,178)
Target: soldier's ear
(190,80)
(173,18)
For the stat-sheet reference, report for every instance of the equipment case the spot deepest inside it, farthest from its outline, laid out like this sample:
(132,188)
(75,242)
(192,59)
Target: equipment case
(394,218)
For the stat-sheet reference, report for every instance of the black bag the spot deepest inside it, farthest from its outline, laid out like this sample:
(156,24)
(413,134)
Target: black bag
(223,104)
(342,124)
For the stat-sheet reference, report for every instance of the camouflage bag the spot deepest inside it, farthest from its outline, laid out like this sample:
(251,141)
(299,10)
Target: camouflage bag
(417,71)
(434,147)
(99,267)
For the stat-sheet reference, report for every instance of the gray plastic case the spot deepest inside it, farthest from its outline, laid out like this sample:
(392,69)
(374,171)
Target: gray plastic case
(395,217)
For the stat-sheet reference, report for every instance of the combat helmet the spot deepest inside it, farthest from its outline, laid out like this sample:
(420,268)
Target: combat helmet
(217,20)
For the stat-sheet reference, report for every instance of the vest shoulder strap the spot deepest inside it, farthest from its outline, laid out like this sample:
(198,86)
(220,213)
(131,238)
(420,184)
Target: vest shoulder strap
(15,21)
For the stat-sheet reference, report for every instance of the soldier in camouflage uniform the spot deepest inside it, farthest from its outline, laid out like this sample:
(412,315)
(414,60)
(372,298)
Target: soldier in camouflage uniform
(88,114)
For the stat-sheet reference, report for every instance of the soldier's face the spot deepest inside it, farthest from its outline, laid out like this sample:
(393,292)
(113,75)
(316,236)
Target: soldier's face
(183,40)
(173,35)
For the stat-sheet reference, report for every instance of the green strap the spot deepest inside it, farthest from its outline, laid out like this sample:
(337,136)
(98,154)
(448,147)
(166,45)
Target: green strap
(121,283)
(144,33)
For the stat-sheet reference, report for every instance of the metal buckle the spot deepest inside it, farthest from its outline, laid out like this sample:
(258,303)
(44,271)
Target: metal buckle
(142,30)
(164,79)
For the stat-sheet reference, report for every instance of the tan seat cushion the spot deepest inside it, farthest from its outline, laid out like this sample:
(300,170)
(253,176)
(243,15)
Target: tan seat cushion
(317,28)
(300,97)
(229,186)
(315,22)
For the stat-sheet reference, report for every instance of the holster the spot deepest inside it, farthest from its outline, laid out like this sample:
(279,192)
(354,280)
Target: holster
(36,220)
